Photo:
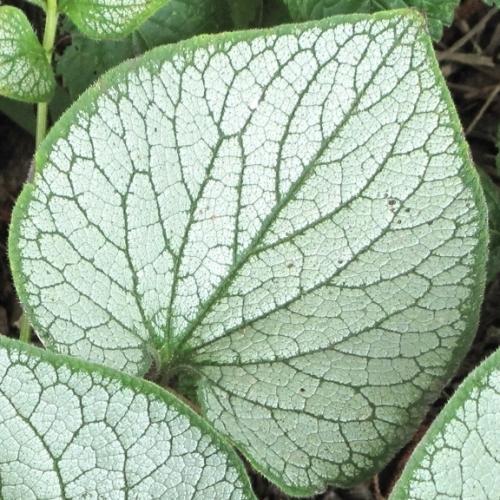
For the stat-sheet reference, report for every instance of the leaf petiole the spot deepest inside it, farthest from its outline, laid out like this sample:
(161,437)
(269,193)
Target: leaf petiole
(49,37)
(48,45)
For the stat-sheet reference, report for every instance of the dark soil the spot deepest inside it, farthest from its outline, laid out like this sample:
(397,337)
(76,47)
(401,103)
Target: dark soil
(470,59)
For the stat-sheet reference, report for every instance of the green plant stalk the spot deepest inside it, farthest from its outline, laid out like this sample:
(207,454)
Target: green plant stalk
(49,37)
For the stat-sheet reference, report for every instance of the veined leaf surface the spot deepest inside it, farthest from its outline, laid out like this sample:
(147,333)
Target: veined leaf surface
(25,73)
(73,430)
(459,457)
(292,213)
(109,18)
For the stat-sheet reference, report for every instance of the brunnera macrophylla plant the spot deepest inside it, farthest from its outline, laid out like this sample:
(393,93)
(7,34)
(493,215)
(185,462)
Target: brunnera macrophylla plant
(283,226)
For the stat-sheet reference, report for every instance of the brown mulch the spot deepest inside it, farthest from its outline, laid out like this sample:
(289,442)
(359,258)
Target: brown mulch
(469,54)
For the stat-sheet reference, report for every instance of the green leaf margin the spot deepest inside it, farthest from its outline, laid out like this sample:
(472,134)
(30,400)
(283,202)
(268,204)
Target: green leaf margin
(492,195)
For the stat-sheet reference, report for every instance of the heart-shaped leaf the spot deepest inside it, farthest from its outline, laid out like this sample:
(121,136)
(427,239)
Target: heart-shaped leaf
(73,430)
(459,457)
(25,72)
(290,213)
(109,18)
(439,12)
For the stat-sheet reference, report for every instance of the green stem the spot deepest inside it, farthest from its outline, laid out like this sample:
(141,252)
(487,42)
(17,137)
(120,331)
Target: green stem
(41,123)
(25,329)
(49,37)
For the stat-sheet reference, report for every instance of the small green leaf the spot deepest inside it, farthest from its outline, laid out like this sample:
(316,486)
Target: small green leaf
(275,12)
(459,457)
(73,430)
(245,13)
(439,12)
(495,3)
(290,213)
(21,113)
(113,19)
(86,59)
(492,195)
(25,73)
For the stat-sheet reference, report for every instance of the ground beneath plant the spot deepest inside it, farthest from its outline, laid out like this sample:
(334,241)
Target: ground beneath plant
(469,54)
